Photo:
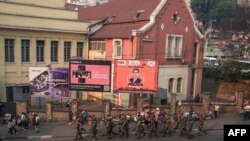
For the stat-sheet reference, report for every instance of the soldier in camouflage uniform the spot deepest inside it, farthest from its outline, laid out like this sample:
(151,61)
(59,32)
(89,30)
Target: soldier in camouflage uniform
(93,128)
(124,127)
(79,130)
(179,118)
(153,127)
(121,116)
(138,127)
(183,127)
(167,126)
(110,125)
(190,128)
(201,126)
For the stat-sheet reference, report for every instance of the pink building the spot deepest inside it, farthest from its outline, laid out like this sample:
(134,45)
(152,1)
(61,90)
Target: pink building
(161,30)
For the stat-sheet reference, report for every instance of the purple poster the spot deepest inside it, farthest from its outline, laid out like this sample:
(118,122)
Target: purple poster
(51,82)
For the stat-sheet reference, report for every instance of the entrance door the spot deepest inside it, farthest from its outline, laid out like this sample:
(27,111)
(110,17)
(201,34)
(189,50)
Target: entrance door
(9,94)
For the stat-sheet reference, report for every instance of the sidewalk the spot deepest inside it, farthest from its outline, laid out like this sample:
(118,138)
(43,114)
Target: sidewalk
(65,130)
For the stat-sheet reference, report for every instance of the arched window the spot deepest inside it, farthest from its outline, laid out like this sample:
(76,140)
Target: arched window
(170,85)
(178,88)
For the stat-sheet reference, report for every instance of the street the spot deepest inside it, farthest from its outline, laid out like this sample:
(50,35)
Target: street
(57,131)
(211,136)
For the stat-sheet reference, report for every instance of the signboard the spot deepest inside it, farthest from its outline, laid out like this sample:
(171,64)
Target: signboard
(136,76)
(52,82)
(90,75)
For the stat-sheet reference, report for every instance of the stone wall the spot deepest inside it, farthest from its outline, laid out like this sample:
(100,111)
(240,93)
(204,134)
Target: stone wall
(40,113)
(50,114)
(227,90)
(185,107)
(21,106)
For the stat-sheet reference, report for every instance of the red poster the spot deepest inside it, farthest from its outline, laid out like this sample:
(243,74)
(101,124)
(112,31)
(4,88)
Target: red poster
(136,76)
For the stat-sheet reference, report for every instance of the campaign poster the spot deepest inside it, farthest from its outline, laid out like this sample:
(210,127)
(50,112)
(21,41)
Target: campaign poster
(90,75)
(49,82)
(136,76)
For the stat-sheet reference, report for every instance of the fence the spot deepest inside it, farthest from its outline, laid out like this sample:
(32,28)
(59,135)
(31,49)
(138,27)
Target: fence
(8,107)
(50,112)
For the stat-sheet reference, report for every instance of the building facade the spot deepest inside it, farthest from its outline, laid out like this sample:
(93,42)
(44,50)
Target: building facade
(36,36)
(161,30)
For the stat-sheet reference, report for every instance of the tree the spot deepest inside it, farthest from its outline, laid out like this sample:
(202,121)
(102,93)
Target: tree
(218,10)
(232,70)
(239,21)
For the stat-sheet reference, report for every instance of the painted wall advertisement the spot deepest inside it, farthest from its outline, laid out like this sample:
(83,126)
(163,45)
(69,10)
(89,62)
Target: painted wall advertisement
(49,82)
(90,75)
(136,76)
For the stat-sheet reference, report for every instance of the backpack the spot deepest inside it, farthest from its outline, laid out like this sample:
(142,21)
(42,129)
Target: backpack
(85,116)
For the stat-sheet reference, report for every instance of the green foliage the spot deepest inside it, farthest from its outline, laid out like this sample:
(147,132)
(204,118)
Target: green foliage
(218,10)
(212,72)
(231,70)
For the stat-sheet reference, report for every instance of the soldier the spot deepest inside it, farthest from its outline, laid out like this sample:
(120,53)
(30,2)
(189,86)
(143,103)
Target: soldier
(110,126)
(189,131)
(167,127)
(179,118)
(124,127)
(153,126)
(201,125)
(93,128)
(79,129)
(121,116)
(138,127)
(183,127)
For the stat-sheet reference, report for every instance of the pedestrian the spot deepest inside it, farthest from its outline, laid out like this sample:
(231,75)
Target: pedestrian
(120,121)
(34,121)
(179,119)
(27,120)
(189,131)
(10,126)
(14,124)
(167,126)
(138,127)
(216,110)
(70,116)
(37,122)
(93,128)
(124,127)
(183,131)
(79,129)
(201,126)
(153,127)
(24,120)
(110,126)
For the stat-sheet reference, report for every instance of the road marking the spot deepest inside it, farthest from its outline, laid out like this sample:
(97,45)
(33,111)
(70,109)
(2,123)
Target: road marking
(40,137)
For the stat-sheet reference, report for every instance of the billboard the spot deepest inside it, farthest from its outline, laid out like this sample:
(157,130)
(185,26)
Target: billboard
(49,82)
(136,76)
(90,75)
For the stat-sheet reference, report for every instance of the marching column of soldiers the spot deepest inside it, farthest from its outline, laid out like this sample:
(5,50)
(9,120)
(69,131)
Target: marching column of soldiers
(150,122)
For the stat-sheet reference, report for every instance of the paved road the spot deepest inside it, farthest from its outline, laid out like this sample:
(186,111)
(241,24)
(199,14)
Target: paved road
(212,136)
(61,130)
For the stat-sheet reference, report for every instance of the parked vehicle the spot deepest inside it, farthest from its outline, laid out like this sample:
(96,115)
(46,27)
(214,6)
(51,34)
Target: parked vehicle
(210,62)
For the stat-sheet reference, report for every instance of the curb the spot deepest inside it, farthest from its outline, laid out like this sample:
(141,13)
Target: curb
(84,135)
(41,137)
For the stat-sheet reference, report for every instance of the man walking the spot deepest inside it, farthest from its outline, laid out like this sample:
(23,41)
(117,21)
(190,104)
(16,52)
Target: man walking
(79,129)
(216,110)
(93,128)
(37,123)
